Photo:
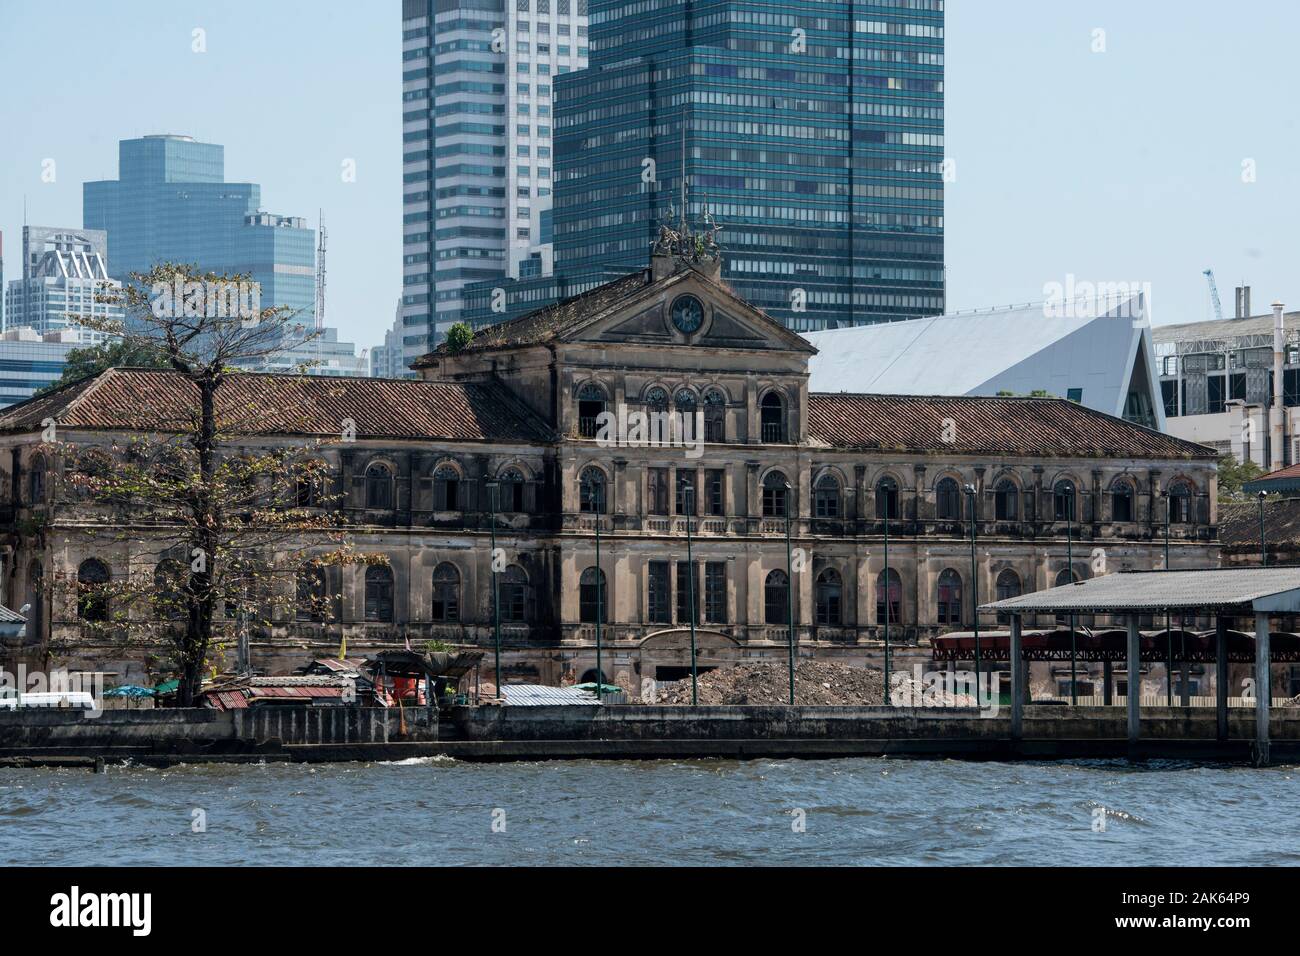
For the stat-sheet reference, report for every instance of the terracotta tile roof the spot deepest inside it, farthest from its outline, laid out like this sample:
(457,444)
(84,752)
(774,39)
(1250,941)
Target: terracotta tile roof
(1239,525)
(546,323)
(1012,426)
(256,403)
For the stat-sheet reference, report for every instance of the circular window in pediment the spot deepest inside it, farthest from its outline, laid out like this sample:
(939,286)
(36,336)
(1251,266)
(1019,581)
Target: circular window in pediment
(687,314)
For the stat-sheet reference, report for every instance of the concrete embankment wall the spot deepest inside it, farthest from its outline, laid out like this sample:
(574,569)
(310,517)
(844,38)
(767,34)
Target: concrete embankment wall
(195,731)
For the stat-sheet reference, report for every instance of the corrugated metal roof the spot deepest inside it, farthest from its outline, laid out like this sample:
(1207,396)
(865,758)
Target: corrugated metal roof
(255,403)
(537,695)
(986,425)
(10,617)
(1157,590)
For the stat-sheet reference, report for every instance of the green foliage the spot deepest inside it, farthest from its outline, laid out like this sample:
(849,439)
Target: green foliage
(90,361)
(1233,474)
(458,336)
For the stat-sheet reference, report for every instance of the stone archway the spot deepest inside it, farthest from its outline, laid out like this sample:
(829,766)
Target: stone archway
(666,654)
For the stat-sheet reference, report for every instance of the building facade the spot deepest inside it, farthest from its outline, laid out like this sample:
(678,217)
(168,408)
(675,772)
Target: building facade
(30,361)
(1220,386)
(477,164)
(64,281)
(171,203)
(521,454)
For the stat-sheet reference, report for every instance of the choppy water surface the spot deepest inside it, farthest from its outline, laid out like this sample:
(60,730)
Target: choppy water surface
(855,812)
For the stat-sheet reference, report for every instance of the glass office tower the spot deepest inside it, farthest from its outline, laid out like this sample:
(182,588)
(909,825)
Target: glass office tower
(811,130)
(171,203)
(477,101)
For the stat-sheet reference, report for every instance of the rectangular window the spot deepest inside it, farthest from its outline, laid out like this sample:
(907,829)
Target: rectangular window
(715,592)
(657,491)
(685,482)
(684,595)
(657,604)
(713,500)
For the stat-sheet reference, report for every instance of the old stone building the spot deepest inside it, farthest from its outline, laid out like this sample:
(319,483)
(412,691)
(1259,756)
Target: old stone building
(530,434)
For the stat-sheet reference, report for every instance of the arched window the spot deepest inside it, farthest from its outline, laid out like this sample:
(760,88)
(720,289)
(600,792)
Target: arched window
(889,597)
(1121,501)
(949,597)
(379,486)
(446,593)
(686,404)
(715,416)
(887,498)
(593,600)
(379,593)
(92,596)
(776,497)
(947,499)
(36,480)
(1180,503)
(1006,501)
(512,491)
(776,598)
(826,497)
(656,400)
(313,593)
(591,491)
(1063,501)
(1007,586)
(513,594)
(592,402)
(772,417)
(446,489)
(830,598)
(169,581)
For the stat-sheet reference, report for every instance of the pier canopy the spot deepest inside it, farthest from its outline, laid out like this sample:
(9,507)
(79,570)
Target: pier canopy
(1215,590)
(1223,592)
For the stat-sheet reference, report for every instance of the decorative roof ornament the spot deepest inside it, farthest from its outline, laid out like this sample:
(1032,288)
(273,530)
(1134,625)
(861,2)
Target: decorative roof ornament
(679,242)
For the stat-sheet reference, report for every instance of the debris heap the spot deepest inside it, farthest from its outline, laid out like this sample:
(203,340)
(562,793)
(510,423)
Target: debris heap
(816,683)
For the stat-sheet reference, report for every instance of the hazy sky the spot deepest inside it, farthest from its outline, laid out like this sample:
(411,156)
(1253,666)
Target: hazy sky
(1122,165)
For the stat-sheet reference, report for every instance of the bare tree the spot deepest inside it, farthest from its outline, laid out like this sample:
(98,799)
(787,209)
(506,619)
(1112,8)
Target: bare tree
(209,486)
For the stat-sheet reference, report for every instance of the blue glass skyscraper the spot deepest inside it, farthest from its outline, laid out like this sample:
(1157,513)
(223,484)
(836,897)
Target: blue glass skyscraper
(171,203)
(812,130)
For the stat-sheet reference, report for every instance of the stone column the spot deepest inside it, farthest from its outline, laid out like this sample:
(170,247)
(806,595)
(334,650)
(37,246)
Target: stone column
(1017,679)
(1262,690)
(1134,679)
(1221,678)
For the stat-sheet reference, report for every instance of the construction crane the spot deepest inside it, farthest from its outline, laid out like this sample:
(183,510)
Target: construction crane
(1214,294)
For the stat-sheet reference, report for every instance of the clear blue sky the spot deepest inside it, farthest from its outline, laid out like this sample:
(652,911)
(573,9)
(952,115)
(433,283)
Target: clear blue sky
(1117,166)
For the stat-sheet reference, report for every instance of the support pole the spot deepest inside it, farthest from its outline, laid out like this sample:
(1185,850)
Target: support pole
(1220,678)
(1134,679)
(1261,689)
(1108,677)
(1017,678)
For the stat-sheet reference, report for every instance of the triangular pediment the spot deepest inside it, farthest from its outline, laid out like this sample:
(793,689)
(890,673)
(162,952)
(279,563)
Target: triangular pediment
(646,318)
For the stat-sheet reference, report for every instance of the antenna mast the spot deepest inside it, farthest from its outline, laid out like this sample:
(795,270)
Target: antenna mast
(320,273)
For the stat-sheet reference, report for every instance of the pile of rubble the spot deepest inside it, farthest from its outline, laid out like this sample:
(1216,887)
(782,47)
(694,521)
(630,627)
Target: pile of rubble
(816,683)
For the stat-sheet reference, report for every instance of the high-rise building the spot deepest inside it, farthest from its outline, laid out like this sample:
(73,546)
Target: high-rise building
(812,132)
(171,203)
(477,100)
(64,283)
(386,360)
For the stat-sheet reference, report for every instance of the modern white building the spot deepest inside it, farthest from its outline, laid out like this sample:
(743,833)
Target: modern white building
(477,100)
(1100,357)
(1219,383)
(64,278)
(30,360)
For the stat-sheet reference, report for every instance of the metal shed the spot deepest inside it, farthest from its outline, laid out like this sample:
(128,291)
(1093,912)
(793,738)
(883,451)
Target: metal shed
(1222,592)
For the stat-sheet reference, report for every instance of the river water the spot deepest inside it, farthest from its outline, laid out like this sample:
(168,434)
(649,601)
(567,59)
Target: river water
(834,812)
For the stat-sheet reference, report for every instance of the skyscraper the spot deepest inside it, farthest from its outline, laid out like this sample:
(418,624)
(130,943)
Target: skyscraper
(171,203)
(477,103)
(811,131)
(64,281)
